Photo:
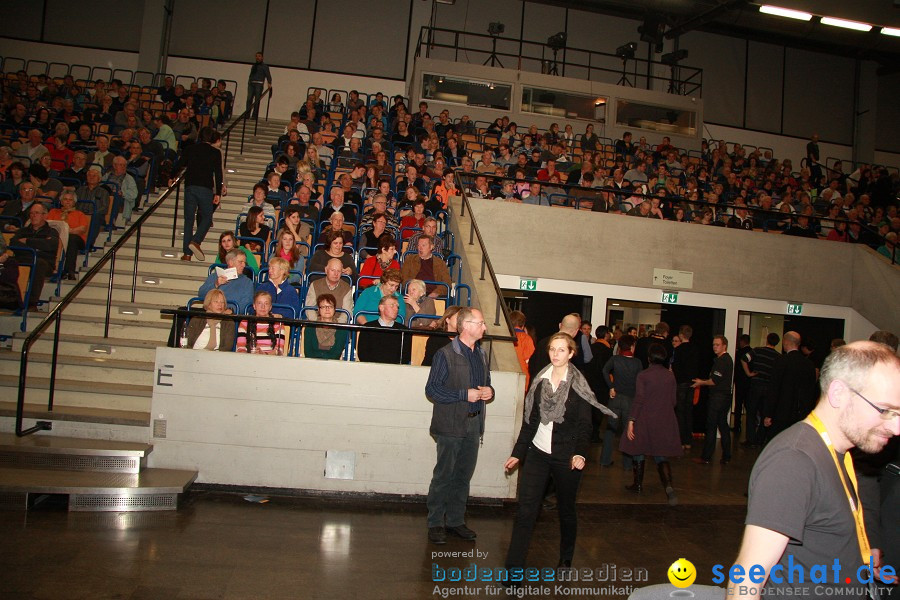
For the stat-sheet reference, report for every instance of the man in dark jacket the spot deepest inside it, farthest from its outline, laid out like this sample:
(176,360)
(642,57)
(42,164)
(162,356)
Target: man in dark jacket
(685,366)
(202,189)
(380,347)
(459,385)
(792,394)
(45,240)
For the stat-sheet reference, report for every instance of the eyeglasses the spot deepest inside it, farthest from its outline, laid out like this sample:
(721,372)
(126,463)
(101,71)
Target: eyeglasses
(476,322)
(887,414)
(326,307)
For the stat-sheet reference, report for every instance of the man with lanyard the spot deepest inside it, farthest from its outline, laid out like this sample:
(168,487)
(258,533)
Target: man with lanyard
(803,508)
(259,73)
(459,385)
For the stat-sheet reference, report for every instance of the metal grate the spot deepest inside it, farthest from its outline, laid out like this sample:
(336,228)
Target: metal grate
(100,502)
(71,462)
(13,501)
(159,428)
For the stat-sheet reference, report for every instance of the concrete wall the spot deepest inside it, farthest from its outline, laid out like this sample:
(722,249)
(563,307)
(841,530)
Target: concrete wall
(268,421)
(614,256)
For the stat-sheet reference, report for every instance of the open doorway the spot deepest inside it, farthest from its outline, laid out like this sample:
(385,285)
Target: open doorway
(816,333)
(544,310)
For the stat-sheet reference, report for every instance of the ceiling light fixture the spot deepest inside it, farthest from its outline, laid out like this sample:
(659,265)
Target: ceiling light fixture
(785,12)
(855,25)
(891,31)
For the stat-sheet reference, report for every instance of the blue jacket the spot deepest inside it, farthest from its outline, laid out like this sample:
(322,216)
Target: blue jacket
(287,295)
(239,291)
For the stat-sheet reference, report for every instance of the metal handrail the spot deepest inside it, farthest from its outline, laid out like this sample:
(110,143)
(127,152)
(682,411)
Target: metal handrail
(689,84)
(486,266)
(55,315)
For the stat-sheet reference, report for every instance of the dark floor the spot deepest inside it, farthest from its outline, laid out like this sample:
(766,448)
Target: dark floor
(217,545)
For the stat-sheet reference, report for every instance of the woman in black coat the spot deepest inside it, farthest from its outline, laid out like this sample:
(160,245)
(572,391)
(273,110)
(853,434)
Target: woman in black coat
(556,437)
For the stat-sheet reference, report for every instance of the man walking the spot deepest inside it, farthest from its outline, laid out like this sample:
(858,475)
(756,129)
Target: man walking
(718,403)
(685,367)
(459,384)
(762,365)
(202,190)
(793,391)
(259,73)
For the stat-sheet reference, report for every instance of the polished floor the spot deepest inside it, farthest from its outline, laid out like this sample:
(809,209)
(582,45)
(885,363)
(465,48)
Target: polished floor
(218,545)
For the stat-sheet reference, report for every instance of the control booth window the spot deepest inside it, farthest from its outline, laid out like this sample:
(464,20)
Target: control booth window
(485,94)
(563,105)
(663,119)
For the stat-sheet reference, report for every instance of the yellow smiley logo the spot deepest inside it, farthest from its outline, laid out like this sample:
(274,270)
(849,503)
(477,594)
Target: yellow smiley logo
(682,573)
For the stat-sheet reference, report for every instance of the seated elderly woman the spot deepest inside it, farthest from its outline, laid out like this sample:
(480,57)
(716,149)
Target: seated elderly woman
(261,337)
(334,248)
(377,264)
(325,342)
(279,287)
(335,223)
(368,301)
(211,334)
(417,303)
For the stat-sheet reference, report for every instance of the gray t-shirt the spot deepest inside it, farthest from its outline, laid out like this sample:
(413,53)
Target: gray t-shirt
(795,490)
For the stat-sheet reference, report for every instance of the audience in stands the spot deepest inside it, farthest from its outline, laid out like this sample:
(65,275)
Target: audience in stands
(238,289)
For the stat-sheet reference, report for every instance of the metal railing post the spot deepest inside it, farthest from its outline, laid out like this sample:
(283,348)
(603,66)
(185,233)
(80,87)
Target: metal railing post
(175,220)
(243,131)
(227,142)
(109,291)
(53,362)
(137,250)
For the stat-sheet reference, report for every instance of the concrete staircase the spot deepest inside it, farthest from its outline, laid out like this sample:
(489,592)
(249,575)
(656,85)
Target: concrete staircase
(104,385)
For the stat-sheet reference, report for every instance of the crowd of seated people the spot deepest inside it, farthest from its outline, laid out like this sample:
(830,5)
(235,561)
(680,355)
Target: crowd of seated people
(88,151)
(410,156)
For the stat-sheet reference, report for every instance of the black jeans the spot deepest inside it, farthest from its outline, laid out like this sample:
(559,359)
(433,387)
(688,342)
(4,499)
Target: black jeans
(536,471)
(254,92)
(717,418)
(684,412)
(756,430)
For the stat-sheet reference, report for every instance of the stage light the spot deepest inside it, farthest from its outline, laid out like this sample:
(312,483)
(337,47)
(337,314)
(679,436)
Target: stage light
(626,51)
(558,41)
(496,28)
(672,58)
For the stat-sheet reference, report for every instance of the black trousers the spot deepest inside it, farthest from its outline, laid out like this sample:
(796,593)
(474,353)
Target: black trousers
(537,470)
(684,412)
(741,400)
(756,430)
(75,245)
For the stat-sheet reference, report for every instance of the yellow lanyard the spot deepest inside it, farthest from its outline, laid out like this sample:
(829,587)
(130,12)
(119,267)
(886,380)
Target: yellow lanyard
(855,506)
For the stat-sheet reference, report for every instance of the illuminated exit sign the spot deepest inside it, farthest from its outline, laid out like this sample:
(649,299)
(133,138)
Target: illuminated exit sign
(670,297)
(794,309)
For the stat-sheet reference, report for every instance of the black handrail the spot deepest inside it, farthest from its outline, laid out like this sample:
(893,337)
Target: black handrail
(486,266)
(690,84)
(55,315)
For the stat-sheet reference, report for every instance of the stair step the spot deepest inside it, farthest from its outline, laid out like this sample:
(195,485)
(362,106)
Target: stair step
(78,414)
(83,368)
(80,345)
(45,451)
(151,489)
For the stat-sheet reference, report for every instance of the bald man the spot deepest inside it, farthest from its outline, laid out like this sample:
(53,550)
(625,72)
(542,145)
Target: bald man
(570,324)
(793,391)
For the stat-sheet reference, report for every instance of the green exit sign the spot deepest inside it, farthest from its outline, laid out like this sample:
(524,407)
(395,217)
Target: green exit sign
(794,309)
(670,297)
(528,284)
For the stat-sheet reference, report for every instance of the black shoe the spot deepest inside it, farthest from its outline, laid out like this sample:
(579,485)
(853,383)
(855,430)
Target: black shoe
(437,535)
(71,277)
(463,532)
(724,461)
(700,461)
(564,564)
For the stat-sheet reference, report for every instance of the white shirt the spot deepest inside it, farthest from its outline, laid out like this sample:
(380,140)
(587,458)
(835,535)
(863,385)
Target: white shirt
(203,338)
(544,435)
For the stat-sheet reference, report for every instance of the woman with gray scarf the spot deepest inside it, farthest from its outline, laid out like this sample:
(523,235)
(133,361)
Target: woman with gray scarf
(556,437)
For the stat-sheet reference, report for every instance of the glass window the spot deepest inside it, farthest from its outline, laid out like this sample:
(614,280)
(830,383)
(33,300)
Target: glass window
(664,119)
(463,91)
(564,105)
